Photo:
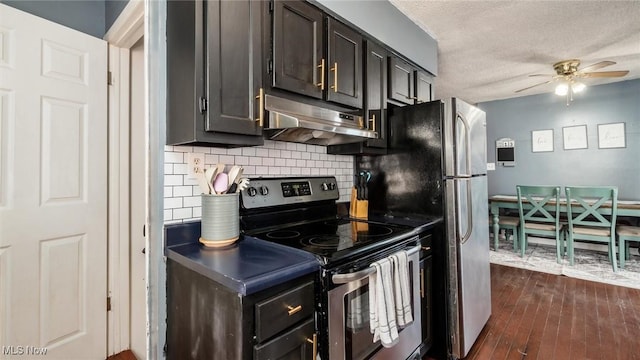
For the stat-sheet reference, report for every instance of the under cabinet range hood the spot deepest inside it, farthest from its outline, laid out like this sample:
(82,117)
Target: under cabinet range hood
(298,122)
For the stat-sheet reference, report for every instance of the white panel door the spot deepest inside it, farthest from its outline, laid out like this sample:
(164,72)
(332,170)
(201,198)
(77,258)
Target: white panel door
(53,181)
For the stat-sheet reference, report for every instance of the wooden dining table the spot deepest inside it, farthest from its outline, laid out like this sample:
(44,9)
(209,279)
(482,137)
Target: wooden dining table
(629,208)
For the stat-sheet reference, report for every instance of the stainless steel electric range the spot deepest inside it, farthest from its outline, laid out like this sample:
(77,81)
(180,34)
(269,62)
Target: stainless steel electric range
(302,213)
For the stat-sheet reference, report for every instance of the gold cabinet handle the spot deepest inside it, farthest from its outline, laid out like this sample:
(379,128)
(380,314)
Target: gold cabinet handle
(422,283)
(414,98)
(315,345)
(335,77)
(373,122)
(426,248)
(293,310)
(260,98)
(321,67)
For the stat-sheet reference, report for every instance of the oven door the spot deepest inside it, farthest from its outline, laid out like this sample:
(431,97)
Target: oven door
(349,334)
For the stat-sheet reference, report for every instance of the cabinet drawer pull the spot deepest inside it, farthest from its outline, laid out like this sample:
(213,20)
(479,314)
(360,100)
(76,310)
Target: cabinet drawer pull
(321,67)
(260,98)
(426,248)
(335,77)
(315,345)
(293,310)
(422,283)
(373,122)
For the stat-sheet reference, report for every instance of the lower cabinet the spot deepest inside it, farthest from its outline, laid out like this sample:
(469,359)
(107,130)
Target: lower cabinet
(206,320)
(426,266)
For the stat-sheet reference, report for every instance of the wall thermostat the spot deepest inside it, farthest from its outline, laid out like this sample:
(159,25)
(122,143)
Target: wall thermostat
(506,152)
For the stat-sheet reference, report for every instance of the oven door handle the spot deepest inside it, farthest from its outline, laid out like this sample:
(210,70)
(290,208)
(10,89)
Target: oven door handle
(354,276)
(359,275)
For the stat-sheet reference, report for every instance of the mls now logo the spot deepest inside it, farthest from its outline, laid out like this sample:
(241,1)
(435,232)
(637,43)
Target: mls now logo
(23,350)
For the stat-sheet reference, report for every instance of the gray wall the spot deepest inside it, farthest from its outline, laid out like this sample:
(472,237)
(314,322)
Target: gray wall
(93,17)
(516,118)
(112,8)
(386,23)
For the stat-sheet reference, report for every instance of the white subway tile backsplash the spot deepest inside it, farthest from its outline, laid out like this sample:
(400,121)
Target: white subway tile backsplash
(172,180)
(183,213)
(262,152)
(182,191)
(255,161)
(248,151)
(182,201)
(192,201)
(268,161)
(173,157)
(173,203)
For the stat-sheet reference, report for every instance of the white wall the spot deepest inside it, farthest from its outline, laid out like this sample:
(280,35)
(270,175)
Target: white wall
(274,159)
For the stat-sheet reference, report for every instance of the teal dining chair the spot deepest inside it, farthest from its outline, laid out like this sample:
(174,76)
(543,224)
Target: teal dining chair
(586,206)
(626,233)
(539,209)
(510,226)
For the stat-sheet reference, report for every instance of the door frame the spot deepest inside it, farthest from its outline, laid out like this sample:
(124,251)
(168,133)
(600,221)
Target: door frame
(125,32)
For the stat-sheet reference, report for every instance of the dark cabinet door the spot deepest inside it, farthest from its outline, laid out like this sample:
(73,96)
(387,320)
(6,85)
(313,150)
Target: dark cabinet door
(426,266)
(401,81)
(233,60)
(423,87)
(344,64)
(295,344)
(376,90)
(298,43)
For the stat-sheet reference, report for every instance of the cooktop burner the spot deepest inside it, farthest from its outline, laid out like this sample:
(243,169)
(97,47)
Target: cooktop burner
(334,238)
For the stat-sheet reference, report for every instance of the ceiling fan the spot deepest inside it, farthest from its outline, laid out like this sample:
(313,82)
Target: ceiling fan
(568,71)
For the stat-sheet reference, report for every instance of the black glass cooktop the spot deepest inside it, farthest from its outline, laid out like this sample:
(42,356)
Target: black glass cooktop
(334,239)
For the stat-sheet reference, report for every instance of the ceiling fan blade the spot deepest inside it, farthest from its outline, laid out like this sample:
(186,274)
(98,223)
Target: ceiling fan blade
(543,75)
(597,66)
(602,74)
(527,88)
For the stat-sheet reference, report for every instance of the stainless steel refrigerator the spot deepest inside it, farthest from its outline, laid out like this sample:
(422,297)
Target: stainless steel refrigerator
(436,166)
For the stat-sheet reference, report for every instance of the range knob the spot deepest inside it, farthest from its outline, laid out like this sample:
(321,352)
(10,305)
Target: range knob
(332,186)
(325,186)
(264,190)
(252,191)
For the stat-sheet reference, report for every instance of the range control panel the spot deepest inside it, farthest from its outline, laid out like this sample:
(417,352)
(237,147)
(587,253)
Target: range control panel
(265,192)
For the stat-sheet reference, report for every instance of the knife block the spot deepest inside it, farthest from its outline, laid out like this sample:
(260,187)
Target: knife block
(358,209)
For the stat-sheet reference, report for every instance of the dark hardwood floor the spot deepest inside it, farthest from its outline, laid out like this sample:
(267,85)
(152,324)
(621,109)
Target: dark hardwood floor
(543,316)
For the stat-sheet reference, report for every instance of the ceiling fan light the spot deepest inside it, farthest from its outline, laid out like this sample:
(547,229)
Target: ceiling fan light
(577,87)
(562,89)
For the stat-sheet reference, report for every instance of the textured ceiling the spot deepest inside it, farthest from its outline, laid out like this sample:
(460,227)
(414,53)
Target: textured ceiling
(487,49)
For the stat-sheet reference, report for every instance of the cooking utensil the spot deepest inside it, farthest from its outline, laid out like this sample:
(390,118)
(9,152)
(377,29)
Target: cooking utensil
(205,186)
(243,184)
(221,183)
(239,176)
(365,189)
(233,173)
(209,175)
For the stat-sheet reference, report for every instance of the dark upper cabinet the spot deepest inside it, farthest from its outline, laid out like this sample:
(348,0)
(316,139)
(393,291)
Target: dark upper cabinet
(424,83)
(214,63)
(375,104)
(298,43)
(401,81)
(310,61)
(234,59)
(345,64)
(376,89)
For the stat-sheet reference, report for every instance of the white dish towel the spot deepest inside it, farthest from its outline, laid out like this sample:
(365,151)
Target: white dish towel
(382,312)
(401,287)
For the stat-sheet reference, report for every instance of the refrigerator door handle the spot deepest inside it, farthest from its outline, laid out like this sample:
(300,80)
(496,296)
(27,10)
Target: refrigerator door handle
(461,119)
(467,234)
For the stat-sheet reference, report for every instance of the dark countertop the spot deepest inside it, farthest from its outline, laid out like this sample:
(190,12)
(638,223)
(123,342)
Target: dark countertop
(248,266)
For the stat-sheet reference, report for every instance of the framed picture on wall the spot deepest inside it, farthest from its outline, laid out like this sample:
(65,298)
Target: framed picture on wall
(611,136)
(542,140)
(574,137)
